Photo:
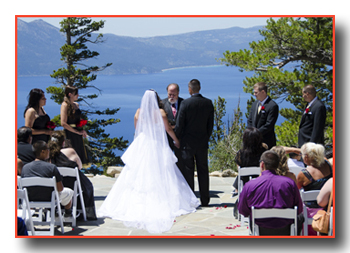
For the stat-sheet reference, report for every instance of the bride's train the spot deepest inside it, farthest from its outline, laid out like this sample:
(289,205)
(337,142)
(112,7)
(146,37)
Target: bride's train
(150,191)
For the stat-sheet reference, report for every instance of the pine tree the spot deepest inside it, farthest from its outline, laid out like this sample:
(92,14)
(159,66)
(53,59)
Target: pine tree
(293,53)
(226,139)
(75,53)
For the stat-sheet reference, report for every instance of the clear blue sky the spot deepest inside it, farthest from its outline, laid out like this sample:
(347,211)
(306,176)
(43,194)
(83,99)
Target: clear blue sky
(148,27)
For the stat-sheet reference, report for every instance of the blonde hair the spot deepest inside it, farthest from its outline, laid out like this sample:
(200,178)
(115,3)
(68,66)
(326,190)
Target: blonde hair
(315,152)
(283,164)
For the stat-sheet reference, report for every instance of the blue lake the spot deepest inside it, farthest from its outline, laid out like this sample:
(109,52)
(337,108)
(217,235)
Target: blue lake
(125,92)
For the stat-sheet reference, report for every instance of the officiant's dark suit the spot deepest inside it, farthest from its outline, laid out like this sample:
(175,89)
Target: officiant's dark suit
(171,89)
(264,120)
(313,120)
(194,127)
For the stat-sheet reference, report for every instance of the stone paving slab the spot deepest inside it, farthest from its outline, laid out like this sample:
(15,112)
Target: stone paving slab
(215,220)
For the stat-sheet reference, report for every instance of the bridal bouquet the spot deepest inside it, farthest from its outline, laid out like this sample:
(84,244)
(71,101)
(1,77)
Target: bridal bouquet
(82,123)
(51,125)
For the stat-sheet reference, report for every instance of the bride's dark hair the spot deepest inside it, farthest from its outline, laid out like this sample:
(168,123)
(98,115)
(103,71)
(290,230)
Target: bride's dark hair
(160,103)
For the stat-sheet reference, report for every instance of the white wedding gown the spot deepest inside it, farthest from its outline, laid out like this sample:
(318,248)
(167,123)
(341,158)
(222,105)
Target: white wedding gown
(150,191)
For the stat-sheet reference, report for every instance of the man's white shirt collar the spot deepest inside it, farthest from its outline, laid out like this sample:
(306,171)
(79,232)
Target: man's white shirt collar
(263,102)
(312,102)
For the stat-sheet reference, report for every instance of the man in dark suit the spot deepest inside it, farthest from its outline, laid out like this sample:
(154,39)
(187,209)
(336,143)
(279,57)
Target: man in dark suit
(194,126)
(263,114)
(312,123)
(172,105)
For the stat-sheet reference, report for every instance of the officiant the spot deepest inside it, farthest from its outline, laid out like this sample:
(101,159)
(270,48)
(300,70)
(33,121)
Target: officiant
(171,106)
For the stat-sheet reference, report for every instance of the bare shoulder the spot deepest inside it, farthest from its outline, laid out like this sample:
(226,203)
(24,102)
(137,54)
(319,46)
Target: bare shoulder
(30,114)
(291,176)
(137,113)
(31,111)
(302,180)
(162,112)
(68,151)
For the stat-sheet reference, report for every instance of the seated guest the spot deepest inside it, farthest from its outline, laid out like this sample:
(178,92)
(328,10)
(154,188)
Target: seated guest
(329,155)
(60,152)
(40,168)
(271,191)
(21,227)
(314,176)
(318,170)
(283,169)
(63,156)
(248,156)
(295,160)
(24,146)
(325,193)
(19,166)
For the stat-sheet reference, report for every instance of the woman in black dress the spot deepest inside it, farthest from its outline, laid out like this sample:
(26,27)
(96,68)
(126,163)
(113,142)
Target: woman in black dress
(248,156)
(70,119)
(63,156)
(36,118)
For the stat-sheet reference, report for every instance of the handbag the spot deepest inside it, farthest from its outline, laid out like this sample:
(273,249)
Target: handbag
(320,222)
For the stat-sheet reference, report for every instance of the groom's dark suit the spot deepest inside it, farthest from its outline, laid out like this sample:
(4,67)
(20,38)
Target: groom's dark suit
(265,120)
(194,126)
(172,121)
(311,128)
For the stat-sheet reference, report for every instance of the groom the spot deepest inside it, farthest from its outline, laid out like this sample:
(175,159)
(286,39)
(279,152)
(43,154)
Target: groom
(194,126)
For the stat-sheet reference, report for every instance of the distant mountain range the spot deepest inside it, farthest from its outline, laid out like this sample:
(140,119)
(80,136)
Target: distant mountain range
(39,44)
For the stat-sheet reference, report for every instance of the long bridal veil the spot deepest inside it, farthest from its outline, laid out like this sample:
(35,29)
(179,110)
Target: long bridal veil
(151,191)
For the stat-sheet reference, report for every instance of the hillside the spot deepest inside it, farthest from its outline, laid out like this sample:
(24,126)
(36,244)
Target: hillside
(39,49)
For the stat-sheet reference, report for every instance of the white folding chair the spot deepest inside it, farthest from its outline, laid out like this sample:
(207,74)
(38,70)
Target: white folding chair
(285,213)
(74,172)
(330,232)
(246,171)
(48,206)
(295,170)
(307,196)
(24,211)
(19,185)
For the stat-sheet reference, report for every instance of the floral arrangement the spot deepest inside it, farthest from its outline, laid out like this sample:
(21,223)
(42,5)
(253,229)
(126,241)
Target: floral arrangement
(82,123)
(307,110)
(51,125)
(262,109)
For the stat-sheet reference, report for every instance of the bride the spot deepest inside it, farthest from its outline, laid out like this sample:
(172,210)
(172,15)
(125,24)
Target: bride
(151,191)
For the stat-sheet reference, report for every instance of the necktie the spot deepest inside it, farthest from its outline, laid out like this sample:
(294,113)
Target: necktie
(173,108)
(259,108)
(307,109)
